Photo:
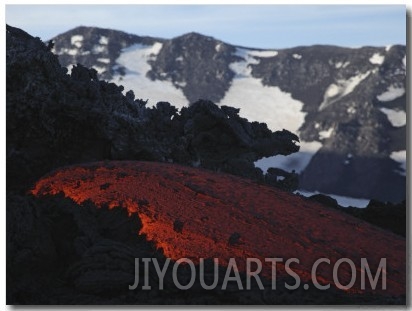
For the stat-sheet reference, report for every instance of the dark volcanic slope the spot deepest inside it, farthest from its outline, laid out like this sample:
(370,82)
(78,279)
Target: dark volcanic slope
(214,208)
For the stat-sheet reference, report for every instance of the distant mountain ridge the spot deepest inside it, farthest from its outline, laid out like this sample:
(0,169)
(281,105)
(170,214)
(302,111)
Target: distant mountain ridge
(348,106)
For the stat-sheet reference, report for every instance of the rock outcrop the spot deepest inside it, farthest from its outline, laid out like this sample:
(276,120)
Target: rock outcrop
(56,119)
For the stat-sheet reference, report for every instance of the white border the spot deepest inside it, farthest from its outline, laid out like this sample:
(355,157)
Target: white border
(217,2)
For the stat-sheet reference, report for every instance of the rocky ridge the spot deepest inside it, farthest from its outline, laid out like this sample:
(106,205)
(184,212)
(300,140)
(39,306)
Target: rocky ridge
(353,100)
(55,119)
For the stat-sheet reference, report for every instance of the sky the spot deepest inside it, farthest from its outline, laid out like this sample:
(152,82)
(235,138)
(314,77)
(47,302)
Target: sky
(259,26)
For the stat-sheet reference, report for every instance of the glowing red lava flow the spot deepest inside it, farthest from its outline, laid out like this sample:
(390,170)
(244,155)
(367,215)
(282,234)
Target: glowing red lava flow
(213,206)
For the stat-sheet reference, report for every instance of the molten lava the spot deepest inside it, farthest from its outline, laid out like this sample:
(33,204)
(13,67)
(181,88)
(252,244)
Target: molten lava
(194,213)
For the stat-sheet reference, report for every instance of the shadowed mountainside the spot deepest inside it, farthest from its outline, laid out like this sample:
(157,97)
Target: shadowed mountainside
(348,102)
(55,119)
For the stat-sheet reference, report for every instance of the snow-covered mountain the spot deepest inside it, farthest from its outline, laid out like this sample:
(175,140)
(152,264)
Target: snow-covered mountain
(348,106)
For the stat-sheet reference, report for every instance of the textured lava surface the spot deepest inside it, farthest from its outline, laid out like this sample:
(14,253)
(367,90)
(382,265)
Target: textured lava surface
(193,213)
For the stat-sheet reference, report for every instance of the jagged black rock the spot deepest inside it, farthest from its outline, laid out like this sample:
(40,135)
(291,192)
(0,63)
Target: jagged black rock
(56,119)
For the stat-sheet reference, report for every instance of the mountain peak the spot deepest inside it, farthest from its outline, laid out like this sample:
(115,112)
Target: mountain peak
(195,36)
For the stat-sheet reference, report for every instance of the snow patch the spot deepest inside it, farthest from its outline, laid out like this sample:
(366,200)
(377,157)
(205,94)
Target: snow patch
(77,41)
(342,88)
(71,52)
(179,59)
(135,61)
(326,134)
(332,90)
(396,117)
(264,104)
(341,65)
(69,69)
(347,161)
(99,69)
(351,110)
(218,47)
(156,48)
(377,59)
(261,103)
(97,49)
(104,40)
(342,200)
(349,85)
(388,47)
(263,54)
(270,105)
(296,161)
(181,84)
(242,68)
(391,93)
(400,157)
(297,56)
(104,60)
